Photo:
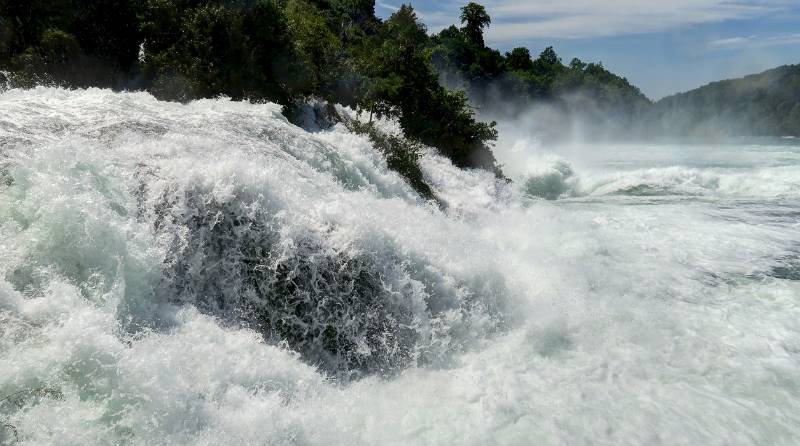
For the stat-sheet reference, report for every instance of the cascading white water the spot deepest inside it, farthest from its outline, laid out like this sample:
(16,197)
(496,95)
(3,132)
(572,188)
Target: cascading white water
(210,274)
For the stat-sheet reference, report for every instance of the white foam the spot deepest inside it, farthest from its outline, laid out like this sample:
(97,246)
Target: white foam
(591,321)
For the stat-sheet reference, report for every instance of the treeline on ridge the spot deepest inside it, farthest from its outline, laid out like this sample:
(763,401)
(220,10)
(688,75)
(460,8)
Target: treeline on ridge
(514,81)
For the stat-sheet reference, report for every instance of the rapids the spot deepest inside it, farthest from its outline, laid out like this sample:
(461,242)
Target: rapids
(210,274)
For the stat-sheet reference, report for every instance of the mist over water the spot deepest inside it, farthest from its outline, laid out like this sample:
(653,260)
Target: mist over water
(210,274)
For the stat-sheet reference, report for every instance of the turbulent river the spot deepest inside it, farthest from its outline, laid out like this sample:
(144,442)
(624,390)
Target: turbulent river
(209,274)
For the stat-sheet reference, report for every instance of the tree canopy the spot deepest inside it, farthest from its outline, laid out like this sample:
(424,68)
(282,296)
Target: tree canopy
(475,19)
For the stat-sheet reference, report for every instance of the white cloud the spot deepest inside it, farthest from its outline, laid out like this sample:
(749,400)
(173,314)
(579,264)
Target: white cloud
(388,6)
(735,43)
(579,19)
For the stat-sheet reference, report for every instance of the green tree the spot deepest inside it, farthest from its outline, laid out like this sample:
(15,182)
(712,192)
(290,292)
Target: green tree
(475,19)
(57,48)
(76,42)
(519,59)
(244,50)
(548,58)
(402,83)
(108,30)
(25,21)
(577,64)
(315,43)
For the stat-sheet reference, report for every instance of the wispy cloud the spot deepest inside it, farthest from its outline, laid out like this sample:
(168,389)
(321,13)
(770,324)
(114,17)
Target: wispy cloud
(388,6)
(581,19)
(736,43)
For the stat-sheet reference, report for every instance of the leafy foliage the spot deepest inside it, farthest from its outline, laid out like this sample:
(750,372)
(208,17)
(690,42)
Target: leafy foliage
(516,80)
(519,59)
(403,84)
(73,42)
(474,18)
(242,50)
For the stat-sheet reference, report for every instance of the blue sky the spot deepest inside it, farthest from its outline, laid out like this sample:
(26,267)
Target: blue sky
(662,46)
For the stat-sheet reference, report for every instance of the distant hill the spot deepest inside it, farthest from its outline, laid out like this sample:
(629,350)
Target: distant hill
(765,104)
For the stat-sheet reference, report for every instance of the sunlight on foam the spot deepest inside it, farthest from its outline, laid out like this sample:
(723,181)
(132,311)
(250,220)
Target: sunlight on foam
(210,274)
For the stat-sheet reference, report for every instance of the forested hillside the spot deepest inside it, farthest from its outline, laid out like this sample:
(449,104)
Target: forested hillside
(516,81)
(765,104)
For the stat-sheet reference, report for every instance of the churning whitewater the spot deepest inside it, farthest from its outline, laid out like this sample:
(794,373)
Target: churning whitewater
(210,274)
